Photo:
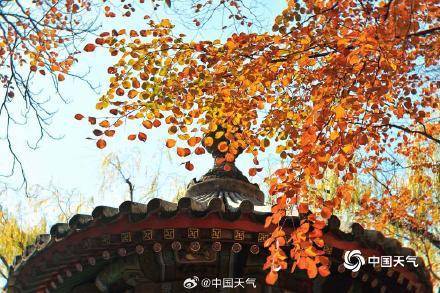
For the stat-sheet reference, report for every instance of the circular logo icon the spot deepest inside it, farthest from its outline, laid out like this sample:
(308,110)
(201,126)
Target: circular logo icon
(353,260)
(205,283)
(190,283)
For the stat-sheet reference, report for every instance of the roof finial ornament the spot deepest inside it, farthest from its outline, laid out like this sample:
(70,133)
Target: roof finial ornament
(220,144)
(224,177)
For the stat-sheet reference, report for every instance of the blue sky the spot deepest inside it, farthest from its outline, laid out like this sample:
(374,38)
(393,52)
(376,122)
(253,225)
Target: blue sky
(73,163)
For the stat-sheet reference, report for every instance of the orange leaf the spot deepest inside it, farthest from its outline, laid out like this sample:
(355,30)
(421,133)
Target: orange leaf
(271,277)
(311,251)
(156,123)
(170,143)
(92,120)
(302,263)
(223,147)
(147,124)
(229,157)
(319,242)
(304,228)
(208,141)
(345,191)
(101,143)
(363,139)
(132,94)
(133,33)
(189,166)
(326,212)
(183,152)
(104,123)
(319,224)
(324,271)
(312,270)
(199,151)
(132,137)
(109,133)
(193,141)
(303,208)
(142,136)
(89,48)
(268,242)
(219,160)
(323,260)
(79,117)
(315,233)
(268,221)
(281,240)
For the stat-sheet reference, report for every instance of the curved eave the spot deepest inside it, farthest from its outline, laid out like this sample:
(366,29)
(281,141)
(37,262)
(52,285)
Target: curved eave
(213,212)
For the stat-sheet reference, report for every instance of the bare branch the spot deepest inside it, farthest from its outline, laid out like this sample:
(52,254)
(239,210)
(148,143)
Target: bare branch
(27,29)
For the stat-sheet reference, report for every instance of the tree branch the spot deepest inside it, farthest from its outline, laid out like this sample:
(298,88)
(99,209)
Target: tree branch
(5,263)
(127,180)
(424,32)
(3,259)
(425,134)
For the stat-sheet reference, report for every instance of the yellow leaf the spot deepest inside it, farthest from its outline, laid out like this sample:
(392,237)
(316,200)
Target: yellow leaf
(208,141)
(166,23)
(219,134)
(339,111)
(348,149)
(392,65)
(334,135)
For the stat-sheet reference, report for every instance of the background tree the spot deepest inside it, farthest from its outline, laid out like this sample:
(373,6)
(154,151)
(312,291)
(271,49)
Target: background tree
(141,183)
(14,238)
(337,85)
(38,40)
(415,228)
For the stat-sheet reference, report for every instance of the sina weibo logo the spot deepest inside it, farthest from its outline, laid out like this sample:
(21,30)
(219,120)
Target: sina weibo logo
(353,260)
(190,283)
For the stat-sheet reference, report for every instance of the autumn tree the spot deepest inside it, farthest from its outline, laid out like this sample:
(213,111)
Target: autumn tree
(14,238)
(50,203)
(413,222)
(346,86)
(140,181)
(38,41)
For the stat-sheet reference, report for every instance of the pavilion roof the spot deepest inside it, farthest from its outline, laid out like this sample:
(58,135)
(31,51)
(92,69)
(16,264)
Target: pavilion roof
(50,257)
(222,209)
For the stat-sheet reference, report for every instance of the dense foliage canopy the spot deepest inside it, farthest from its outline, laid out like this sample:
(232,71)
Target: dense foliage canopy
(348,88)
